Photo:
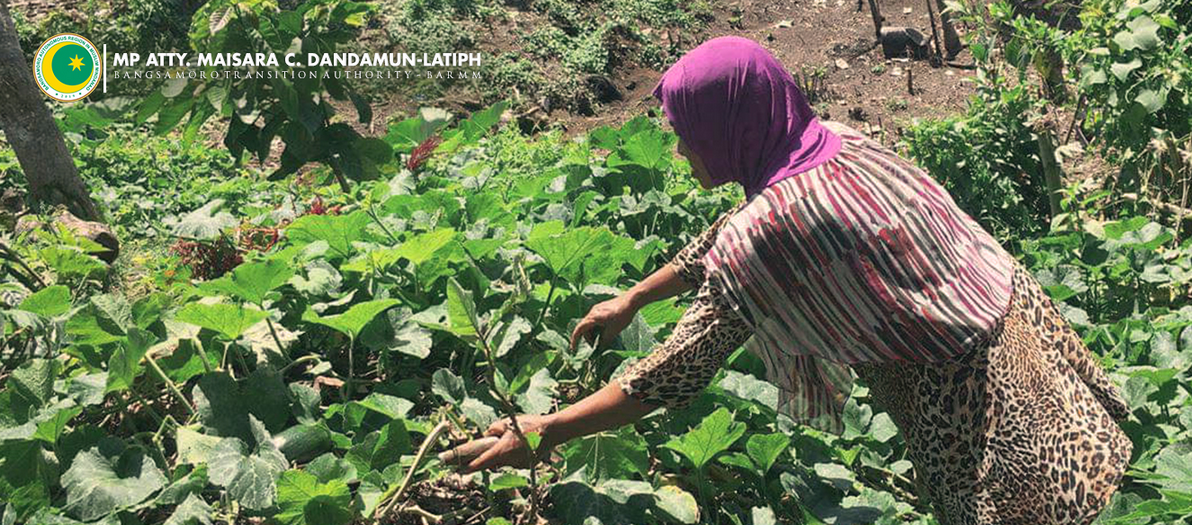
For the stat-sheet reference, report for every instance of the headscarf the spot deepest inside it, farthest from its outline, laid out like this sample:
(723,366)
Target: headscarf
(742,114)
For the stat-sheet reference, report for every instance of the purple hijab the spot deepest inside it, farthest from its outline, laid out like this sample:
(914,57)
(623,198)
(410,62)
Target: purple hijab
(741,113)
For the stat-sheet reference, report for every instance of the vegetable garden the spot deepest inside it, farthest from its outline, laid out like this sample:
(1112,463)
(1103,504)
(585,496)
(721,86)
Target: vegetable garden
(296,344)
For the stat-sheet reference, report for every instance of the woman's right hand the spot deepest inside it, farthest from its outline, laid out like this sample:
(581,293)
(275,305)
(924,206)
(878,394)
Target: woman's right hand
(610,317)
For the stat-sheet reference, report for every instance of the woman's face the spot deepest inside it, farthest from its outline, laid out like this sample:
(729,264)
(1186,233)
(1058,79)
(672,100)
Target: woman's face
(698,170)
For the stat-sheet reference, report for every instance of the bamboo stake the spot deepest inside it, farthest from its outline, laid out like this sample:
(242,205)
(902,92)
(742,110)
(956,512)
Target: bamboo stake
(877,19)
(935,36)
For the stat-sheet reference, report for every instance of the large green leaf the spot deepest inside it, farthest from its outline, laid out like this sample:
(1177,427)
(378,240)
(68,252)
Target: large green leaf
(72,263)
(353,320)
(251,281)
(539,397)
(338,231)
(249,478)
(764,449)
(125,364)
(34,379)
(97,485)
(104,320)
(50,301)
(204,223)
(608,455)
(715,434)
(303,500)
(229,320)
(461,310)
(419,248)
(226,406)
(448,386)
(192,511)
(581,255)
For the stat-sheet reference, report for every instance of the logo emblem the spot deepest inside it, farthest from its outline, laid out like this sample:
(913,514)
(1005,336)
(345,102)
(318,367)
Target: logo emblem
(67,67)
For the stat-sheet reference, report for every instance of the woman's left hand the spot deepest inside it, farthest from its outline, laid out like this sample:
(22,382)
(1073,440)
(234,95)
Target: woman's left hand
(510,451)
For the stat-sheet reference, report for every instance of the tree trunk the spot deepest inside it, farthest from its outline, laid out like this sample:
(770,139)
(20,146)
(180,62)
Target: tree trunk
(30,129)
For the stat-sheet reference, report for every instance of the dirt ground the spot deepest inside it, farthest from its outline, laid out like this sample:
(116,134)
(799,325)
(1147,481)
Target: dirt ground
(827,34)
(834,37)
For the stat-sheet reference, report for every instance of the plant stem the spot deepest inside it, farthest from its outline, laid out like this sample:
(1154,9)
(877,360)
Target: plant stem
(549,294)
(300,360)
(276,340)
(373,215)
(512,412)
(14,257)
(347,391)
(169,383)
(401,489)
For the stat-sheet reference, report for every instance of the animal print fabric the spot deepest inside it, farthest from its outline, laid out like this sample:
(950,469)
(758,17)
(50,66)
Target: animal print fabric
(1020,431)
(679,369)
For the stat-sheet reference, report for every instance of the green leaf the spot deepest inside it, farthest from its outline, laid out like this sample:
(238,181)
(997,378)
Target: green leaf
(251,282)
(351,322)
(104,320)
(72,263)
(882,428)
(50,301)
(764,449)
(97,486)
(303,500)
(205,223)
(448,386)
(226,407)
(191,484)
(477,412)
(608,455)
(748,387)
(507,481)
(715,434)
(192,511)
(125,364)
(34,379)
(763,516)
(407,134)
(338,231)
(582,255)
(250,479)
(228,320)
(1143,33)
(193,447)
(1152,100)
(677,503)
(539,397)
(461,310)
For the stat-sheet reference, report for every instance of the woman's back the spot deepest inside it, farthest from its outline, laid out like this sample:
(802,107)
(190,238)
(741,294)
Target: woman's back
(881,263)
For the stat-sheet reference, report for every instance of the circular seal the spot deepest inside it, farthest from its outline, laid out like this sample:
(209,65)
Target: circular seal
(67,67)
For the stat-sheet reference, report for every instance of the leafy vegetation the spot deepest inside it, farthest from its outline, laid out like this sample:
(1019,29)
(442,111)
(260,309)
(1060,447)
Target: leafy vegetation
(272,348)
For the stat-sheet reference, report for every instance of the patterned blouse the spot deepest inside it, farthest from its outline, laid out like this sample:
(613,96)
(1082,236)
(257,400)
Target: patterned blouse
(879,265)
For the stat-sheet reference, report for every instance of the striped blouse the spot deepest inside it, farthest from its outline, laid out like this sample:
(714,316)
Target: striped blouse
(864,258)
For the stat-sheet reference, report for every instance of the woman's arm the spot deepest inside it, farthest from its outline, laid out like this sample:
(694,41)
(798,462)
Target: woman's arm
(615,314)
(606,409)
(672,375)
(683,273)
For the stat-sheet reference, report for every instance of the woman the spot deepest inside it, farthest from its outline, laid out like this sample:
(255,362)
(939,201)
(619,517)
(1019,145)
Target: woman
(845,255)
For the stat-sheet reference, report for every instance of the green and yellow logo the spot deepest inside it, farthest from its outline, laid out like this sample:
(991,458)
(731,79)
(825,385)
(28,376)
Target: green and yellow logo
(67,67)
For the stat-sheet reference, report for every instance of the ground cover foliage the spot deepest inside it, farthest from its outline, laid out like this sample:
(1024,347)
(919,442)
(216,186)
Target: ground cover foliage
(271,348)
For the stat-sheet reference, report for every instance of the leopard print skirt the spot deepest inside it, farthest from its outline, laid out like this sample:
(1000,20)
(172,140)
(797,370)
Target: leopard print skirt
(1021,430)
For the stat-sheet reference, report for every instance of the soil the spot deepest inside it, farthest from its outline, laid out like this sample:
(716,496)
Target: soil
(806,35)
(860,87)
